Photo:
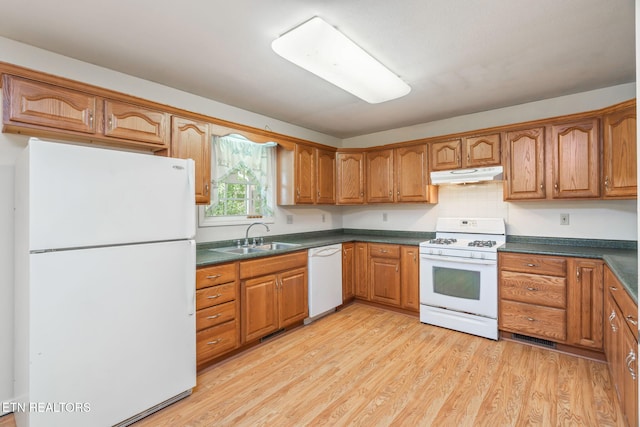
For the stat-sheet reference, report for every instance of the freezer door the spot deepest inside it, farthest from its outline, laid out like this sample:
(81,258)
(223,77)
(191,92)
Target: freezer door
(110,328)
(77,196)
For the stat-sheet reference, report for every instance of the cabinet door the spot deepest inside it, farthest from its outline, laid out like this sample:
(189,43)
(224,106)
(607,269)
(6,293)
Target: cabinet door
(575,155)
(482,150)
(612,341)
(411,173)
(128,121)
(630,377)
(445,155)
(361,285)
(380,176)
(620,158)
(326,177)
(41,104)
(348,272)
(259,307)
(350,178)
(384,280)
(191,139)
(585,303)
(293,305)
(524,164)
(305,174)
(410,277)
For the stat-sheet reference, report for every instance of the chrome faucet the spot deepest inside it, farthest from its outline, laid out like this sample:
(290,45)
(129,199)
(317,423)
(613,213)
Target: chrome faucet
(246,236)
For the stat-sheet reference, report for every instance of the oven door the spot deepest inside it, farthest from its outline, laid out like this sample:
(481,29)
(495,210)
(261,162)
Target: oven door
(461,284)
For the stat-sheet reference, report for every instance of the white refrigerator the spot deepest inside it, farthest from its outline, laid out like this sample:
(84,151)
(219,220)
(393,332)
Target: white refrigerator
(105,285)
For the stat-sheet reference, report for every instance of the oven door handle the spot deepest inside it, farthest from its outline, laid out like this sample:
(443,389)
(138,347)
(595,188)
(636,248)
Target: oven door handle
(461,260)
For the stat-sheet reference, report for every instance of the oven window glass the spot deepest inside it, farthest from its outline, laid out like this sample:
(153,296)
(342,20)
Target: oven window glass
(457,283)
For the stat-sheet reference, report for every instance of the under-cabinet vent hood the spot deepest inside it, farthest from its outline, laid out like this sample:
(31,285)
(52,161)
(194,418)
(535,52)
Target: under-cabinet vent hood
(467,176)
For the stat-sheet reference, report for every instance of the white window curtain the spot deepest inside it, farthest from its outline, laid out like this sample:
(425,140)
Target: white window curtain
(232,153)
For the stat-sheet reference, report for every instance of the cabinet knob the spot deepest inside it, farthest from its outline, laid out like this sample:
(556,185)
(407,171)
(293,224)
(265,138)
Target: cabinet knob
(606,182)
(631,357)
(631,320)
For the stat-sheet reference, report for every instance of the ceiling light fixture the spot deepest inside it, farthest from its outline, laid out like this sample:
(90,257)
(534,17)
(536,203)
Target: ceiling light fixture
(322,50)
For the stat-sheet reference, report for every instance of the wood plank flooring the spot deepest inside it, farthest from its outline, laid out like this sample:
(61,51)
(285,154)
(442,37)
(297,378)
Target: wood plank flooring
(365,366)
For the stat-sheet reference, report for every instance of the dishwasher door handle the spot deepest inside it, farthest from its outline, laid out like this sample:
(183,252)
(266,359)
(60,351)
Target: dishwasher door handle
(325,252)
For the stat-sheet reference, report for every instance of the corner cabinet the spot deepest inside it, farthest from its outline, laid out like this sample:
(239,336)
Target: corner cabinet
(575,156)
(274,294)
(524,164)
(620,168)
(306,176)
(350,178)
(191,139)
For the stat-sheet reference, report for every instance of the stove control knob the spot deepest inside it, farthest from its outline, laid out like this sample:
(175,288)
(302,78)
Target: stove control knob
(440,252)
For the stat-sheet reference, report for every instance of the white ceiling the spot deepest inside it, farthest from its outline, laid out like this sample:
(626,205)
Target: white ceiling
(459,56)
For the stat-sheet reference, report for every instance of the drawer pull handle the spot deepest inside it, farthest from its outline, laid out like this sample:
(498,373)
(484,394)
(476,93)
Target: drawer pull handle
(214,276)
(631,357)
(214,296)
(529,288)
(631,320)
(215,316)
(214,342)
(531,319)
(531,265)
(383,251)
(613,288)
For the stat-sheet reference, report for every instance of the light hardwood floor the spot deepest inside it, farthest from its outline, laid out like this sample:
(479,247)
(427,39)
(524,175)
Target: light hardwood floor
(364,366)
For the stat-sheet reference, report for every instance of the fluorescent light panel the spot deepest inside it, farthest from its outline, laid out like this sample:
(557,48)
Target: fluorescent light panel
(322,50)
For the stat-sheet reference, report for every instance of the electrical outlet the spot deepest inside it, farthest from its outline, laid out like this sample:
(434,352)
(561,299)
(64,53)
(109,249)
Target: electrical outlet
(564,219)
(289,219)
(384,217)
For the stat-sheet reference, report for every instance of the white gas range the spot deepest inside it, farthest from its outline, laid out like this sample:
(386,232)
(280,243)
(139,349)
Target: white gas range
(459,275)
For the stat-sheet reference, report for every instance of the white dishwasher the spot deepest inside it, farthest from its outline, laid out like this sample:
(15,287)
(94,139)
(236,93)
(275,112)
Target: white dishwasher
(325,280)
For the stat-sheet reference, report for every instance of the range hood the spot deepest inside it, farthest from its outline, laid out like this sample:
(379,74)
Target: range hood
(467,176)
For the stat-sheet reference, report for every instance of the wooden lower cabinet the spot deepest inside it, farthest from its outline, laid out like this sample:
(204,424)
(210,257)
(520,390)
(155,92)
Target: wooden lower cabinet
(621,344)
(275,299)
(388,274)
(554,298)
(348,271)
(410,277)
(217,311)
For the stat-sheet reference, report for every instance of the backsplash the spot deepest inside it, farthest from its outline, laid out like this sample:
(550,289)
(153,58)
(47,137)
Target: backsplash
(482,200)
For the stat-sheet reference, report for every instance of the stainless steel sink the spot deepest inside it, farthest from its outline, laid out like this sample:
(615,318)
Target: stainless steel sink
(253,249)
(274,246)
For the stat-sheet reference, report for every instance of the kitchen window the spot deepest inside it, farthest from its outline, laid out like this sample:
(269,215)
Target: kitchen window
(243,175)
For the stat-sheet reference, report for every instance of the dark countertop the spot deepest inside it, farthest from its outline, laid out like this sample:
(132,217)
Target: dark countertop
(206,256)
(621,257)
(622,262)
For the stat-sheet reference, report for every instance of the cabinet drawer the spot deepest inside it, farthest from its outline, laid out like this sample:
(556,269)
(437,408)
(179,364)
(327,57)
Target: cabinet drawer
(534,320)
(216,275)
(215,315)
(215,295)
(212,342)
(536,264)
(534,289)
(274,264)
(381,250)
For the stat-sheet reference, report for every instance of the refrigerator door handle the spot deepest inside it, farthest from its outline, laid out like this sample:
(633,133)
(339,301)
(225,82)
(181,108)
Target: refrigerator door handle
(190,283)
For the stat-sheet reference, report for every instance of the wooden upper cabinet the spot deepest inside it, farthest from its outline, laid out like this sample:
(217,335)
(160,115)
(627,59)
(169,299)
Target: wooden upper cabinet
(350,178)
(411,173)
(128,121)
(35,103)
(325,176)
(445,155)
(575,152)
(191,139)
(524,164)
(305,174)
(380,176)
(482,150)
(620,158)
